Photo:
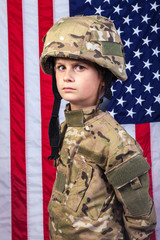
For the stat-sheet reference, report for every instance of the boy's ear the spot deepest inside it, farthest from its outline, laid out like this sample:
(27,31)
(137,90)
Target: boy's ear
(103,82)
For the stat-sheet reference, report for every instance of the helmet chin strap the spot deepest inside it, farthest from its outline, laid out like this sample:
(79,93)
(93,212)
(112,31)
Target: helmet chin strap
(107,93)
(54,127)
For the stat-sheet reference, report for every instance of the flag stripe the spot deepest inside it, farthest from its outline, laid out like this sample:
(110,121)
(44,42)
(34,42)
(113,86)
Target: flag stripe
(32,120)
(143,137)
(45,14)
(17,120)
(5,177)
(130,128)
(59,11)
(155,154)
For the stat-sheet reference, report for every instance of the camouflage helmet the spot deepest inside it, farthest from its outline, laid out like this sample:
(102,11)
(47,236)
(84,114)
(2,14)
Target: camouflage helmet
(93,38)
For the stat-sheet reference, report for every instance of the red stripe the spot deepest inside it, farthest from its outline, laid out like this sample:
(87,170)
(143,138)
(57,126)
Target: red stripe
(17,120)
(144,139)
(45,11)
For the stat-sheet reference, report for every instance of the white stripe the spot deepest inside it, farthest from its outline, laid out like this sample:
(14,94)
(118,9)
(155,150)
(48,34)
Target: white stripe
(33,120)
(130,128)
(5,174)
(155,155)
(60,9)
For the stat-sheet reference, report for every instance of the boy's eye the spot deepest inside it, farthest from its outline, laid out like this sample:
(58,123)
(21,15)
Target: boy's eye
(80,67)
(60,67)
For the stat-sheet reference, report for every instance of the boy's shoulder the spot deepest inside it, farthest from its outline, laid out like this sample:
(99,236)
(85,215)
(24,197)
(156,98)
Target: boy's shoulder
(105,120)
(101,122)
(107,126)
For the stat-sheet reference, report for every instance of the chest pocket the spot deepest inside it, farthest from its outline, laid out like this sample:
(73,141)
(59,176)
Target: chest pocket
(80,187)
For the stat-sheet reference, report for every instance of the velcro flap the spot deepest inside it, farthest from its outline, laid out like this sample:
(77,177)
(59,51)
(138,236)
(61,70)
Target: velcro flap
(74,118)
(111,48)
(128,171)
(61,181)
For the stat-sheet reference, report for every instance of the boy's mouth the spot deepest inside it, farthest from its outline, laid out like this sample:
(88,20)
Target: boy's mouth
(68,89)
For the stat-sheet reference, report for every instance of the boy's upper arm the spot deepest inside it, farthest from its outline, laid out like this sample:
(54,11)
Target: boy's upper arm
(131,180)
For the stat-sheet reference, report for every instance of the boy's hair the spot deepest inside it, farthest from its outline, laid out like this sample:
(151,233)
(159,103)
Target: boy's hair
(101,70)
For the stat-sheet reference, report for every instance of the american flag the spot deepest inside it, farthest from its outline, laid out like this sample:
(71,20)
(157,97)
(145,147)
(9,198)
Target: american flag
(26,176)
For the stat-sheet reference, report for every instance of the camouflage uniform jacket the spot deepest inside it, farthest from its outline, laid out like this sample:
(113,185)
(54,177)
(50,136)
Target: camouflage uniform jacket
(101,186)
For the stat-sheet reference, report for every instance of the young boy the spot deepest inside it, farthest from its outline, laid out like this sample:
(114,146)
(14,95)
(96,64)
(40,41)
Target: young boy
(101,187)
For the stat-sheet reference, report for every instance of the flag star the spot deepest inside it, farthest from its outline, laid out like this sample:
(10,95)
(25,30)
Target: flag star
(135,8)
(147,64)
(140,100)
(146,41)
(117,9)
(155,28)
(155,51)
(130,89)
(130,112)
(137,53)
(136,31)
(99,10)
(110,18)
(154,6)
(119,31)
(113,90)
(119,81)
(149,111)
(89,1)
(107,1)
(112,113)
(138,76)
(148,88)
(127,20)
(129,66)
(127,43)
(145,18)
(121,101)
(156,75)
(157,99)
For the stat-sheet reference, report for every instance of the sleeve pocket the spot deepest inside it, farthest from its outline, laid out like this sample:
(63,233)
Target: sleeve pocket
(132,181)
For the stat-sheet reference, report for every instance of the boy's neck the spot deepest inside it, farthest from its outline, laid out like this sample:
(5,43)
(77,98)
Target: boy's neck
(78,107)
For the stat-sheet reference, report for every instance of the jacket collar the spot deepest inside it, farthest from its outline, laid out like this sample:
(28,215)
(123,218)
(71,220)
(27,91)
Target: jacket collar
(77,118)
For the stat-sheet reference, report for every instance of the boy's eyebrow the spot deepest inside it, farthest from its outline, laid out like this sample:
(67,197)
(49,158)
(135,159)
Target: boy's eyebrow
(57,62)
(60,61)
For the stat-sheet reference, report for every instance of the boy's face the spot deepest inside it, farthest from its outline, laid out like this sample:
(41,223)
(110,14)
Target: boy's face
(78,82)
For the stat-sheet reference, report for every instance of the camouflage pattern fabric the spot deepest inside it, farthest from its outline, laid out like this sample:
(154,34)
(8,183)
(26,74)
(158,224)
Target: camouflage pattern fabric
(92,38)
(100,173)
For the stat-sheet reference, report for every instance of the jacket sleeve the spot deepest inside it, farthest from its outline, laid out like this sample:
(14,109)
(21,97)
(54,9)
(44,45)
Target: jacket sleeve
(130,181)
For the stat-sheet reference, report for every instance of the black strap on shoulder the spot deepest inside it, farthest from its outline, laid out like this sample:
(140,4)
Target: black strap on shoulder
(107,94)
(54,127)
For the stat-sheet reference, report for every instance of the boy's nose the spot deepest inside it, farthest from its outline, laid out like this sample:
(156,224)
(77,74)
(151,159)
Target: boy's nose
(68,75)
